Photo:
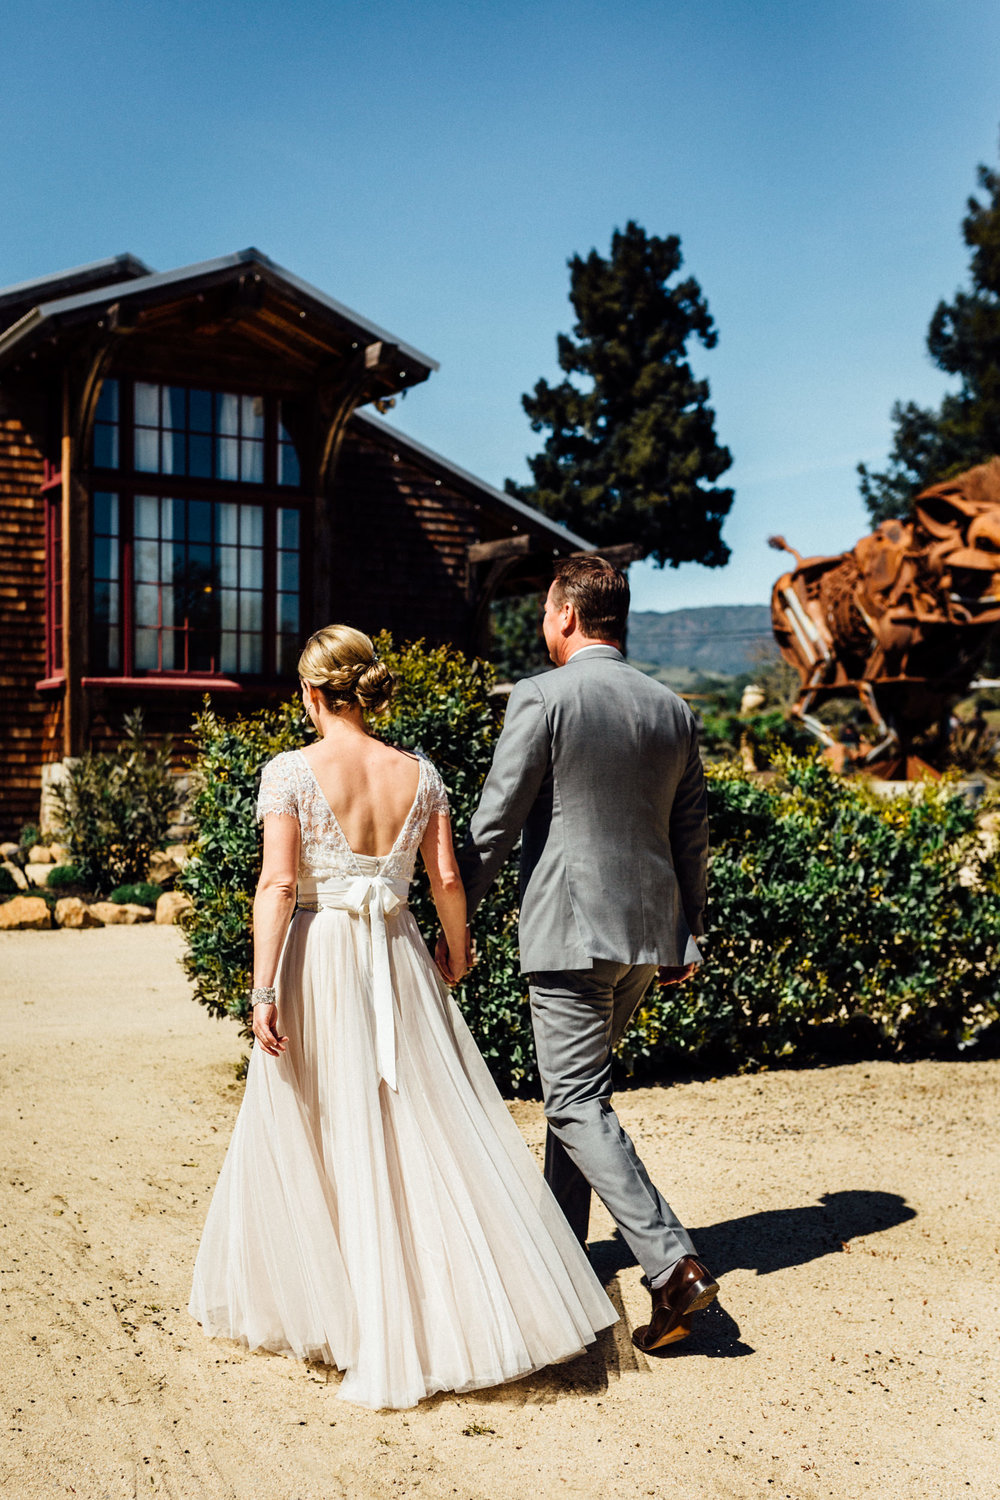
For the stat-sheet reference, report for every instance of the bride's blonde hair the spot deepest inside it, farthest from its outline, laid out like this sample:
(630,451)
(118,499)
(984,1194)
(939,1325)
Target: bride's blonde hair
(343,666)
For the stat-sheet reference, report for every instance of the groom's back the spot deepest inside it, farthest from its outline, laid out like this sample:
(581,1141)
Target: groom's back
(613,850)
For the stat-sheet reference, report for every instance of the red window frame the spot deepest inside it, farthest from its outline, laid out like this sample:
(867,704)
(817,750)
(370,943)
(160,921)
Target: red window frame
(51,492)
(128,482)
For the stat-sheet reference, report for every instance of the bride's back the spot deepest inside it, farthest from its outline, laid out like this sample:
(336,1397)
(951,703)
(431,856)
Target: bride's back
(370,788)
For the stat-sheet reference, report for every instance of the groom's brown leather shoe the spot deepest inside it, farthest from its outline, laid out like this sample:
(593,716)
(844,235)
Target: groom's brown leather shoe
(689,1287)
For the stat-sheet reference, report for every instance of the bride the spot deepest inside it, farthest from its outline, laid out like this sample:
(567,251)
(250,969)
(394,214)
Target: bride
(377,1209)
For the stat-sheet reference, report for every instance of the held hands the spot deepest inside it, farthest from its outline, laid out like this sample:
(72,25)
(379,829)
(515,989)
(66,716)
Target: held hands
(265,1029)
(455,968)
(675,973)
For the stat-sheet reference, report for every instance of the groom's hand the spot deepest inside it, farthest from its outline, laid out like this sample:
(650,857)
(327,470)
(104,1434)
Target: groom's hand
(675,973)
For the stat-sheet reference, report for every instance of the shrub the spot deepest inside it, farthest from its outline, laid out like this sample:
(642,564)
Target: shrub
(61,876)
(114,810)
(8,885)
(839,924)
(836,921)
(141,893)
(30,835)
(442,708)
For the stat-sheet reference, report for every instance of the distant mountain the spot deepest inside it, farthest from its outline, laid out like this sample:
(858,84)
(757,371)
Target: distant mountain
(719,640)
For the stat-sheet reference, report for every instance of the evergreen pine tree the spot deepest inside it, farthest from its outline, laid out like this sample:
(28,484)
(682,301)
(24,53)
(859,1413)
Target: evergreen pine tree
(631,439)
(963,340)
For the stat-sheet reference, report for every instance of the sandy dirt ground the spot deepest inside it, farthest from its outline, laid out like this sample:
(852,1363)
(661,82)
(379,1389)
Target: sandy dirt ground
(851,1212)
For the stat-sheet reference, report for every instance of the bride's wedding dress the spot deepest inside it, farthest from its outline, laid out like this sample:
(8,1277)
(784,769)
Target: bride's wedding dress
(377,1209)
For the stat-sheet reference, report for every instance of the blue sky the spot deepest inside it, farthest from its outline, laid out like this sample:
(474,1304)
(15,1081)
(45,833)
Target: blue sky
(434,164)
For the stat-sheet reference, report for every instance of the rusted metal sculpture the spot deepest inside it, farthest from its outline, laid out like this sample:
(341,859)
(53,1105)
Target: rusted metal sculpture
(900,622)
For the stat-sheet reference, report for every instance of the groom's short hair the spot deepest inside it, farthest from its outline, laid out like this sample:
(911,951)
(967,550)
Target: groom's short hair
(599,593)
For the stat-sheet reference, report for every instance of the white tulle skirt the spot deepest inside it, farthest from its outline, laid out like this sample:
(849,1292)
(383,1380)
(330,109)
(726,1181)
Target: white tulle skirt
(406,1237)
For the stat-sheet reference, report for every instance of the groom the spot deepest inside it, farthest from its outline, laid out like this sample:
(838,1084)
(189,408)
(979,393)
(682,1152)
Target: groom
(597,768)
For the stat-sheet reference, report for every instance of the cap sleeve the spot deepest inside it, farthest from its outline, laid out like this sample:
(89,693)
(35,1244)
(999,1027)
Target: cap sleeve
(278,788)
(437,795)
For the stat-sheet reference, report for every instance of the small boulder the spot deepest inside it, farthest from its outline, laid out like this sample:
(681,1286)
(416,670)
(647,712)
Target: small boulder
(38,874)
(24,913)
(72,912)
(162,868)
(171,905)
(40,854)
(16,874)
(60,854)
(109,913)
(179,853)
(8,850)
(138,913)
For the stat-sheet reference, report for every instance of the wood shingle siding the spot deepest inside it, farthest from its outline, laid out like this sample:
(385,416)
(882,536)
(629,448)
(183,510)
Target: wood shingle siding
(30,730)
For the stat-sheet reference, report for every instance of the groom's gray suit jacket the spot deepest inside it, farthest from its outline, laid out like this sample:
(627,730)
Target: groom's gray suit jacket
(598,766)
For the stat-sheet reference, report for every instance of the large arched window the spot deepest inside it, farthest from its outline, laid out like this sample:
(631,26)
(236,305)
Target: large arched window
(197,533)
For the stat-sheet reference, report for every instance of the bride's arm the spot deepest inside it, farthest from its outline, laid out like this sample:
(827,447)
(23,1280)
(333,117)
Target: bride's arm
(438,854)
(273,905)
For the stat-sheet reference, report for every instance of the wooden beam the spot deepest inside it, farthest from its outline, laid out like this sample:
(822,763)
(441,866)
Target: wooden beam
(505,546)
(619,555)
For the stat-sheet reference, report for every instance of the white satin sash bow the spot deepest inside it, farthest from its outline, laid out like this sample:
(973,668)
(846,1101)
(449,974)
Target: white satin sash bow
(373,898)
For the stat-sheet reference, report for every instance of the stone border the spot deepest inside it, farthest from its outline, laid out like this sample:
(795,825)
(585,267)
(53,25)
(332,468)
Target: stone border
(33,913)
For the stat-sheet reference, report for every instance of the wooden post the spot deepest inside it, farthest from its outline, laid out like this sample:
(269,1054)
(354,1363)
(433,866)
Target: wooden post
(74,577)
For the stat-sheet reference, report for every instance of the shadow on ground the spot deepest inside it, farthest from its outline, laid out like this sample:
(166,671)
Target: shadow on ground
(777,1238)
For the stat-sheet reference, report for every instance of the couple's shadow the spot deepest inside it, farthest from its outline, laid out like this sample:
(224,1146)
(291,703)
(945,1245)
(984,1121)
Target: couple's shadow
(773,1240)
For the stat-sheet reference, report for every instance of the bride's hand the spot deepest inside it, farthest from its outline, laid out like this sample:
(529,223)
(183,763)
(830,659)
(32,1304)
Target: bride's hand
(265,1029)
(453,969)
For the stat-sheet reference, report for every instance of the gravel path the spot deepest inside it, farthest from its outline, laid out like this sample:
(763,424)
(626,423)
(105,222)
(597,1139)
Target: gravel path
(851,1210)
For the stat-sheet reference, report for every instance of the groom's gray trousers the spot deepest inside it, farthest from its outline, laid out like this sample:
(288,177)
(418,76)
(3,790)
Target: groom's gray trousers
(578,1017)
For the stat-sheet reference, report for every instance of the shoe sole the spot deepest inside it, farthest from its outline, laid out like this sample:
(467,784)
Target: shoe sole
(702,1293)
(673,1337)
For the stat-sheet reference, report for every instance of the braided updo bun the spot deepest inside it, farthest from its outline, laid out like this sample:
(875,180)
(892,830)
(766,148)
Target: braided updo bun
(343,666)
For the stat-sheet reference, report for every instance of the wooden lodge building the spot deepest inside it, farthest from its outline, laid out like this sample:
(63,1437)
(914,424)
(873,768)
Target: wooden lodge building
(190,484)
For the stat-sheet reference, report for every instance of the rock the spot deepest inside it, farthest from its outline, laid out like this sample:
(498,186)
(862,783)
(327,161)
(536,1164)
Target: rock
(38,874)
(162,869)
(72,912)
(60,854)
(179,853)
(40,854)
(110,914)
(139,913)
(171,905)
(16,874)
(126,915)
(7,851)
(23,913)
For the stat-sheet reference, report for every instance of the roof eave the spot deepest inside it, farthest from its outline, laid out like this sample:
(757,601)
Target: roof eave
(65,311)
(536,518)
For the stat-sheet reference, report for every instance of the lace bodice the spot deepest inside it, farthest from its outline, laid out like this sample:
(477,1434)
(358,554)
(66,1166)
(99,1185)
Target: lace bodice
(289,787)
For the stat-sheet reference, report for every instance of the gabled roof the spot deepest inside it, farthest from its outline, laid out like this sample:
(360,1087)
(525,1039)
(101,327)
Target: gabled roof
(23,295)
(149,289)
(496,500)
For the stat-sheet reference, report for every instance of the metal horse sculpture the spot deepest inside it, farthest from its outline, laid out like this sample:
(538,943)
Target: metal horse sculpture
(901,621)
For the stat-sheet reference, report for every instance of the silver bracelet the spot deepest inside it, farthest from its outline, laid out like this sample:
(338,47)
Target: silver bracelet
(263,995)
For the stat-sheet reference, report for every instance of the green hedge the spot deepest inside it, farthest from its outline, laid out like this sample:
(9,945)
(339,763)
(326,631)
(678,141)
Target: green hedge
(114,809)
(838,923)
(442,708)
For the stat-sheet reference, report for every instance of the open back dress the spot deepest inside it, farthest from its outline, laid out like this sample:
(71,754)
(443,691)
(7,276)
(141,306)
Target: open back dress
(377,1209)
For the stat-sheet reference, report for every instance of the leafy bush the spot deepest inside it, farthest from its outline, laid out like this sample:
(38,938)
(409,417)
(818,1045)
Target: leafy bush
(724,733)
(61,876)
(114,810)
(840,924)
(30,835)
(8,885)
(141,893)
(442,708)
(837,922)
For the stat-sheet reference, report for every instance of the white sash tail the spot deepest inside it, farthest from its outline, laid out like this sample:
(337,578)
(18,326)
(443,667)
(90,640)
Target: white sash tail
(372,898)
